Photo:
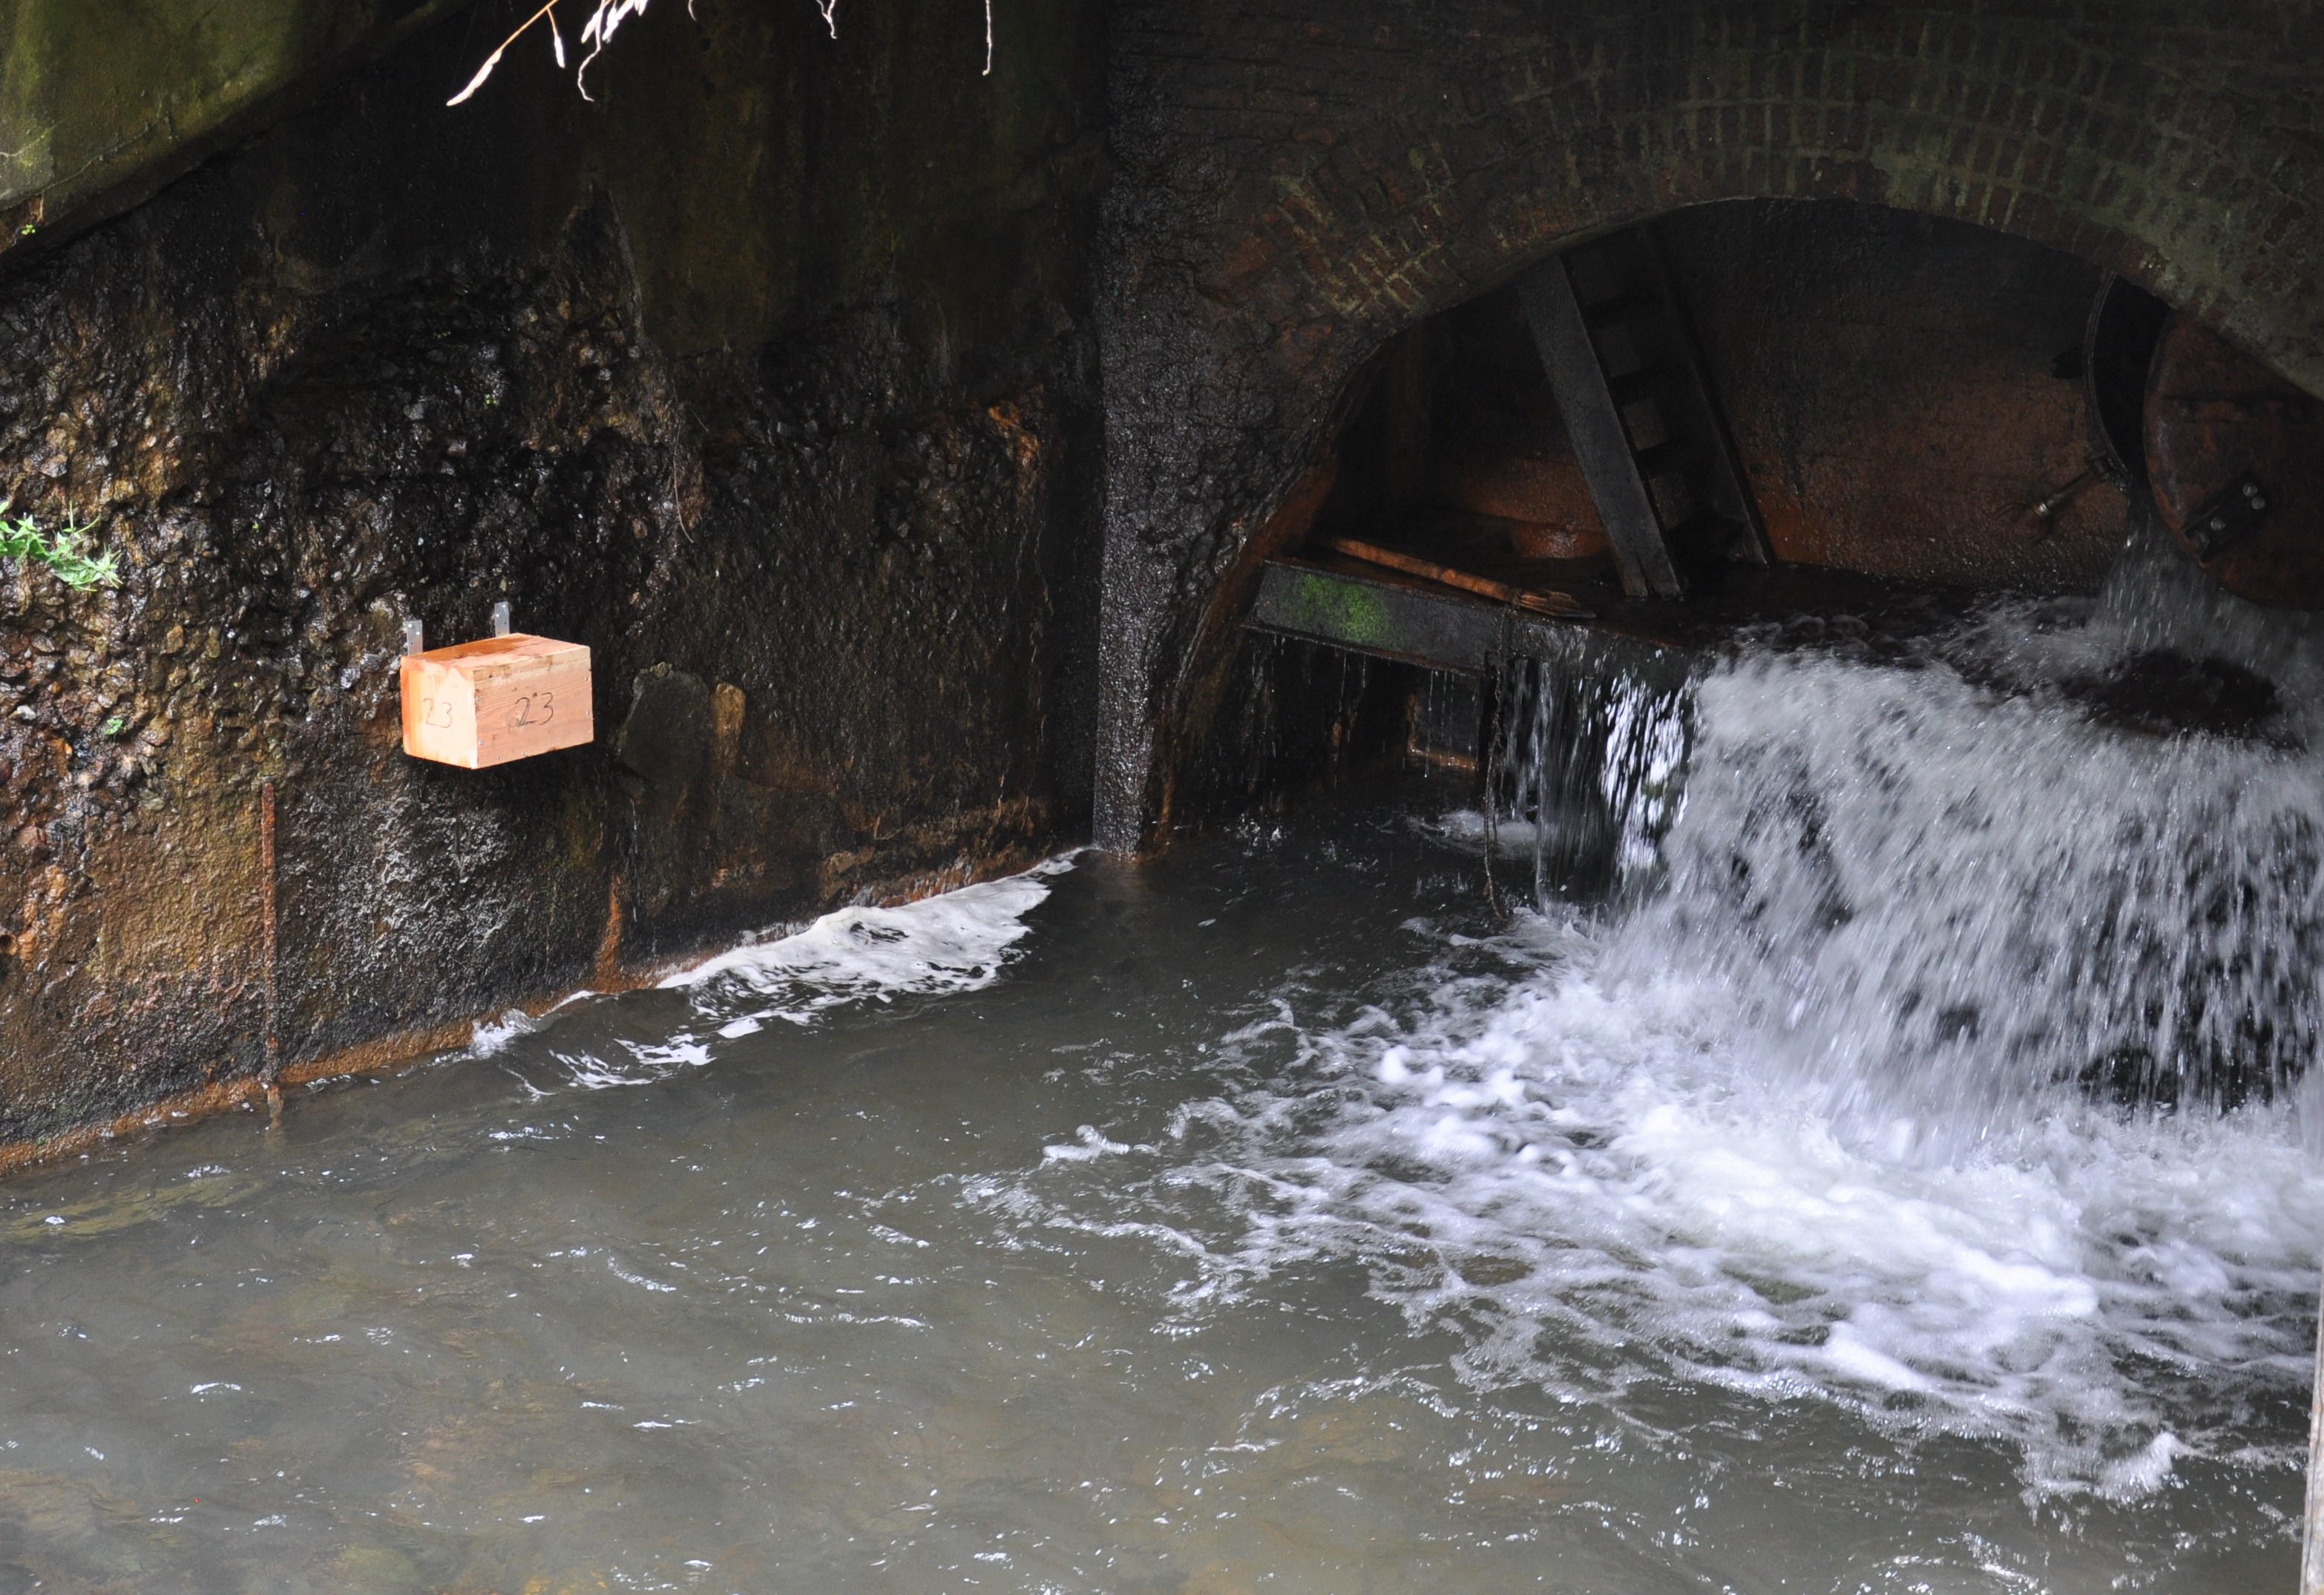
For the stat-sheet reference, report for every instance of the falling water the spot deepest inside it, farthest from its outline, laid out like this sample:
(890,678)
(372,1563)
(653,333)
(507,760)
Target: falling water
(2058,844)
(1588,771)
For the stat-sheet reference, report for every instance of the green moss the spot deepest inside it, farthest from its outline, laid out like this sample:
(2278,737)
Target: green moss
(1328,606)
(95,93)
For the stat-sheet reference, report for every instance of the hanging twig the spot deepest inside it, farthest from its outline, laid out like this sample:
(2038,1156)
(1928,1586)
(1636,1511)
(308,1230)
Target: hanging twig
(607,15)
(596,33)
(493,60)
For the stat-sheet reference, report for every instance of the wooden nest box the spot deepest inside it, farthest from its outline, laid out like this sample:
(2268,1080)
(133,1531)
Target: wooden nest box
(502,698)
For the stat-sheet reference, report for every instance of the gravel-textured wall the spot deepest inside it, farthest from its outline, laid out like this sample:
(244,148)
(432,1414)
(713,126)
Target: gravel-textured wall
(770,375)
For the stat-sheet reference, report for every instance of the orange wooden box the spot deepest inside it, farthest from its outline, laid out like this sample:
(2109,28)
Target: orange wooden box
(503,698)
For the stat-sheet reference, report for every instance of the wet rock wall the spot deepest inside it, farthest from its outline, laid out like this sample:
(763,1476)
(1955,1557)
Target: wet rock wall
(768,375)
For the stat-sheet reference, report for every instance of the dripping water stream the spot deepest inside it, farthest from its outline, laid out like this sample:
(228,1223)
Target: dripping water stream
(1875,1162)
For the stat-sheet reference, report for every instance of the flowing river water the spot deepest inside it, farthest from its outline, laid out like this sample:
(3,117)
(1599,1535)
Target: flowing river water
(1797,1215)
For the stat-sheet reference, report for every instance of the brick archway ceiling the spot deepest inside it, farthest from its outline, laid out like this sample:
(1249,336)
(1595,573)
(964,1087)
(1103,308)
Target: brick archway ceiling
(1297,180)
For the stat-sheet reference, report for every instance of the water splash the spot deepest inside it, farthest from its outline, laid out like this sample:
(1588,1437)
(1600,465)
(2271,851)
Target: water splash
(2060,842)
(1934,894)
(1829,1066)
(955,941)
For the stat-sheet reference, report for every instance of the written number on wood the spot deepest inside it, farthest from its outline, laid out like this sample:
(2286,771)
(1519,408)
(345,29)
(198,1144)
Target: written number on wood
(500,699)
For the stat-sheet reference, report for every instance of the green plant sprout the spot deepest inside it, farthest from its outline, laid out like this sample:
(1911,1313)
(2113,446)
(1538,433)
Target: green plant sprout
(22,538)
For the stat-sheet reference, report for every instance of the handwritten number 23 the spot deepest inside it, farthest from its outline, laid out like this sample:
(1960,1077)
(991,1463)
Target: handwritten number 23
(534,708)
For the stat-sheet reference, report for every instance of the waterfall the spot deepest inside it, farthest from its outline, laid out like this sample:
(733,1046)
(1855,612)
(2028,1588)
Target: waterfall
(1587,773)
(2059,844)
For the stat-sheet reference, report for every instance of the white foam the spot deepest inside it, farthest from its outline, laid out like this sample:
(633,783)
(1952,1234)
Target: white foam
(642,1063)
(956,941)
(1806,1125)
(1930,891)
(491,1036)
(1086,1147)
(1597,1187)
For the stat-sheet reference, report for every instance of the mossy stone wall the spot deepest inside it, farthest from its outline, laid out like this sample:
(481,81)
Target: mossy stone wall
(103,100)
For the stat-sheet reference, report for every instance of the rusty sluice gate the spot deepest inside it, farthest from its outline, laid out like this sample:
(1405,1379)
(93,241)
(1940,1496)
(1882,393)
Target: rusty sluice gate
(1553,486)
(1612,533)
(2236,458)
(1585,502)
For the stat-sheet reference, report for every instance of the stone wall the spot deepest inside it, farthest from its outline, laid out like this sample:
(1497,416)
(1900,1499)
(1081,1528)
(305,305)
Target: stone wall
(768,375)
(1297,183)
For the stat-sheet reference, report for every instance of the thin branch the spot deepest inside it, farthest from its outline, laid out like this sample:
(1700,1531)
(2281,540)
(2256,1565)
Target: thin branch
(493,60)
(597,32)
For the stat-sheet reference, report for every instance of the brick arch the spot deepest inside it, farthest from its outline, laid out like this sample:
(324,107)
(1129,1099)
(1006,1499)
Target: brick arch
(1299,180)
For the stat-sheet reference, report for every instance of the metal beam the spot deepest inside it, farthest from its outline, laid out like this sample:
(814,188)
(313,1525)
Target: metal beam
(1729,490)
(1389,616)
(1594,423)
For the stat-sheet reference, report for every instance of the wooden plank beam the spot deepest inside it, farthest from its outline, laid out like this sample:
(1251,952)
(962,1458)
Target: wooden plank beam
(1378,610)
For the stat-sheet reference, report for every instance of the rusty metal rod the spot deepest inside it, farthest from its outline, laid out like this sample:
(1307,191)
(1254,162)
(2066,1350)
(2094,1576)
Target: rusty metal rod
(273,1070)
(2064,495)
(1563,604)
